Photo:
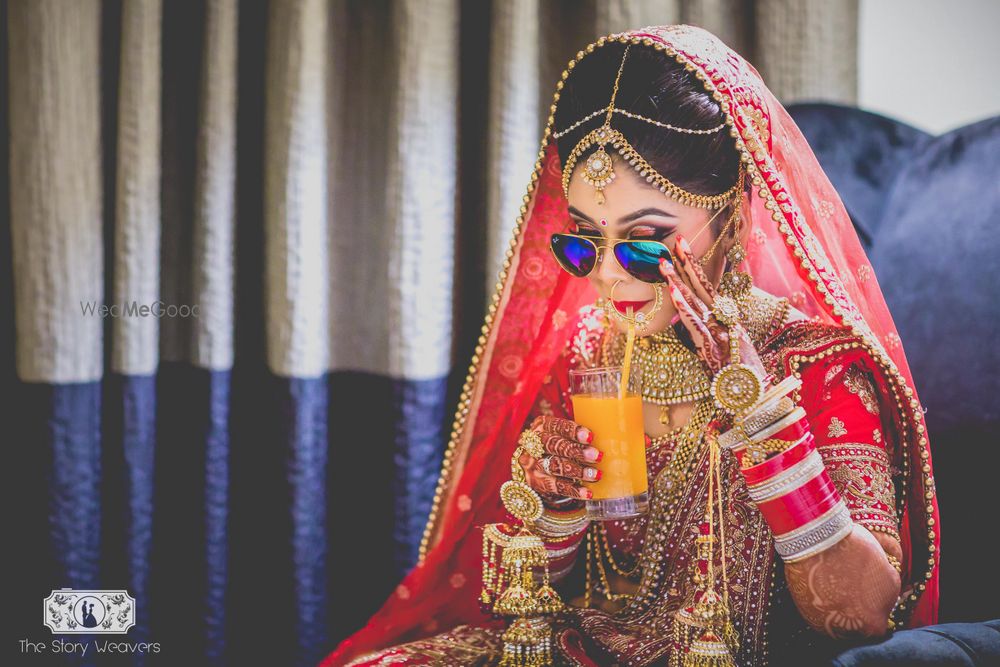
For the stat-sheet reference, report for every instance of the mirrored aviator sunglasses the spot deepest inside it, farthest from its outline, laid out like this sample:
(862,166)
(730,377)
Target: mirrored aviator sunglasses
(578,255)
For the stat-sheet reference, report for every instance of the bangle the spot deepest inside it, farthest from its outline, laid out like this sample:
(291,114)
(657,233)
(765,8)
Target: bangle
(760,473)
(555,554)
(817,536)
(811,500)
(797,498)
(777,427)
(767,414)
(773,405)
(783,388)
(757,421)
(757,452)
(787,480)
(557,503)
(553,525)
(790,429)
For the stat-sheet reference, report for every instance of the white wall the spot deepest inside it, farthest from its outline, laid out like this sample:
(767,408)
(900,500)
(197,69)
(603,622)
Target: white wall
(931,63)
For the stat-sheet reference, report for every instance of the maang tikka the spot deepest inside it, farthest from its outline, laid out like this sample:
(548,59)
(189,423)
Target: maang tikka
(599,170)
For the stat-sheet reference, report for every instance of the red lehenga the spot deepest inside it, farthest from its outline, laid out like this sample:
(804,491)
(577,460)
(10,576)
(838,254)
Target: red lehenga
(856,389)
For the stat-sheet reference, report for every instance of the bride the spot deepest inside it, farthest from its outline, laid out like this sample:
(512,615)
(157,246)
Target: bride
(674,193)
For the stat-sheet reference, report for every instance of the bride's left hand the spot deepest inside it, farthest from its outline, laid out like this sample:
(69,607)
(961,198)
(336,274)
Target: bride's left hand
(693,296)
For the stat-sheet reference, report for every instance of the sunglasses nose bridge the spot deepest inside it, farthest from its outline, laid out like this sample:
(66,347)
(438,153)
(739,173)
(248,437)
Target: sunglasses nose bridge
(612,266)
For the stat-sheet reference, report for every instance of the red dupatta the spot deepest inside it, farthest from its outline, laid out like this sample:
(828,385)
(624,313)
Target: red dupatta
(802,245)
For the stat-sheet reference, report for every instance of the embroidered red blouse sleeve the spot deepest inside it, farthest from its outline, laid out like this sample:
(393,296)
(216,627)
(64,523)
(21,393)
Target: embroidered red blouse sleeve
(844,407)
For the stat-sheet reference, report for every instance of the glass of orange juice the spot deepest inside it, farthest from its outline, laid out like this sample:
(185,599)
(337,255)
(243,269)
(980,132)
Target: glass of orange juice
(616,420)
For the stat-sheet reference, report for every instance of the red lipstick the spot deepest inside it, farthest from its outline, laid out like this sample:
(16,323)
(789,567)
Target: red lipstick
(622,306)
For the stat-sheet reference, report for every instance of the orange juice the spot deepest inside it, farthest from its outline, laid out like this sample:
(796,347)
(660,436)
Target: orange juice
(618,433)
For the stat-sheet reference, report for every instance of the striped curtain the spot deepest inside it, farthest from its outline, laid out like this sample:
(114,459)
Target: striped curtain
(246,252)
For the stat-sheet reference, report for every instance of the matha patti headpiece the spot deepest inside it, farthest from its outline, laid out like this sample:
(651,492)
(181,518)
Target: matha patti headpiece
(599,171)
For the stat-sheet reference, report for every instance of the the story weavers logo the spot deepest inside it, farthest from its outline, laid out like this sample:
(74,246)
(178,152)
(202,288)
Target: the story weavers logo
(69,611)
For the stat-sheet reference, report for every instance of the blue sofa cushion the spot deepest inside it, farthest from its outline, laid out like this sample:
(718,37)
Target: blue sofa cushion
(862,153)
(946,645)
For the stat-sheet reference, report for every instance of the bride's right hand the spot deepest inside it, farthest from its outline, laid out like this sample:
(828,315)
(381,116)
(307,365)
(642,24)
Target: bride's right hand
(567,459)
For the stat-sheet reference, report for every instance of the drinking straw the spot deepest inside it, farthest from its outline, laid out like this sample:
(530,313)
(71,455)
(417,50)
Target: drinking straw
(623,386)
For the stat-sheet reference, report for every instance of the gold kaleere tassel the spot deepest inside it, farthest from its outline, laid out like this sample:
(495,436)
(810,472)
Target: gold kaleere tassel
(528,639)
(527,643)
(521,555)
(708,651)
(704,635)
(491,538)
(510,587)
(547,598)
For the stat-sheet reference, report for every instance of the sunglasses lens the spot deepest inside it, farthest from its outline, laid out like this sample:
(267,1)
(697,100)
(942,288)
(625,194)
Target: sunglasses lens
(642,259)
(574,254)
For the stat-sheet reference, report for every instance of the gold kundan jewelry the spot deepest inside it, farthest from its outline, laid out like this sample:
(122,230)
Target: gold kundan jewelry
(532,443)
(640,320)
(735,283)
(734,217)
(510,587)
(726,310)
(671,372)
(737,387)
(520,499)
(704,634)
(599,170)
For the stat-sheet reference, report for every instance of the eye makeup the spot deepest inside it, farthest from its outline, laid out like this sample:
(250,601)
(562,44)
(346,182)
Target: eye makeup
(640,232)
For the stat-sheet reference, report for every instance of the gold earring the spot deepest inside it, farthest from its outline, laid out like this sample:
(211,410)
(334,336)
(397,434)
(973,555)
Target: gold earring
(737,284)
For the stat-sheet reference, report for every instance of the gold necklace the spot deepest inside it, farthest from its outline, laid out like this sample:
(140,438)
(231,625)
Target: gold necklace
(667,437)
(671,373)
(686,439)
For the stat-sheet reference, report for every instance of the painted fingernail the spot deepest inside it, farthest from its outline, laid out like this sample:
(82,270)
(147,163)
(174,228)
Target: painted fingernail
(679,249)
(592,454)
(675,319)
(587,494)
(591,474)
(600,455)
(585,435)
(675,293)
(648,440)
(684,246)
